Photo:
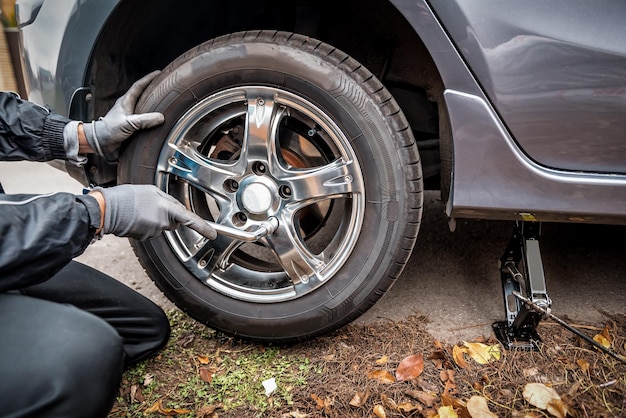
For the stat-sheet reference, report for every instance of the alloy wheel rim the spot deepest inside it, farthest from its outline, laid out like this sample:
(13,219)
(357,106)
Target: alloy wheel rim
(249,153)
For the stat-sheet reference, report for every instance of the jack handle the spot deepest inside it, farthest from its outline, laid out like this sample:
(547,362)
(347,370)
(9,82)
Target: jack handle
(567,326)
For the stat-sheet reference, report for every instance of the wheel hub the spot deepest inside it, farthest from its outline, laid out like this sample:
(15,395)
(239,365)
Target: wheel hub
(256,198)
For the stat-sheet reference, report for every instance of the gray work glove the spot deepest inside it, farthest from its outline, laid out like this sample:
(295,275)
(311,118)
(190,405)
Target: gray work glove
(106,134)
(143,211)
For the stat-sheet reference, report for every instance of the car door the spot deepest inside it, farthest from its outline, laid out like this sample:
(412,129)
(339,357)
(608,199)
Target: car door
(554,71)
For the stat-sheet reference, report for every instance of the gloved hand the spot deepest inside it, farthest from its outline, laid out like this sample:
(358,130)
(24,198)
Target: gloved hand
(106,134)
(143,211)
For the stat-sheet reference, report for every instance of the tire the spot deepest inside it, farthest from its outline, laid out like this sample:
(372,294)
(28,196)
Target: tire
(273,124)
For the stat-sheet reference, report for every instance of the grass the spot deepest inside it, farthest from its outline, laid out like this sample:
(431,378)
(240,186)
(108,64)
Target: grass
(200,368)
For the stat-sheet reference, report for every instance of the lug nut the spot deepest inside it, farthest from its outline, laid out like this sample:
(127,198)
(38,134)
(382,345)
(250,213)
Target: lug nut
(285,191)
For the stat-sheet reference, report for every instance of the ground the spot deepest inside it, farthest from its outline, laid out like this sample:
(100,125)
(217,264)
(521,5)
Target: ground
(354,372)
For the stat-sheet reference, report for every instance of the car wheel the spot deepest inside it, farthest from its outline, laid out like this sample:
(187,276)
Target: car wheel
(273,125)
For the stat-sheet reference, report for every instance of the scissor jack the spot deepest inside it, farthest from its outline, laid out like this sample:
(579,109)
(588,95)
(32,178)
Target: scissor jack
(521,271)
(526,300)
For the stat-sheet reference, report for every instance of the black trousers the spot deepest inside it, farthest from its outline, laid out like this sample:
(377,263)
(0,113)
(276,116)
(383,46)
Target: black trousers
(64,343)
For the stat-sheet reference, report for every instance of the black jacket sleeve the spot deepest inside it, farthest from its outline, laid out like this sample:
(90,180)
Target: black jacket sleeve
(29,131)
(39,234)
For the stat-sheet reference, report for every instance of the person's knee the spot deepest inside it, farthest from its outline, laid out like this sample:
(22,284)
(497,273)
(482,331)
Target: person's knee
(148,337)
(162,325)
(88,374)
(57,360)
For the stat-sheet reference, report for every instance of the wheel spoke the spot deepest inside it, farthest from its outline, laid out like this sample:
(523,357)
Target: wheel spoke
(262,121)
(300,264)
(200,172)
(312,185)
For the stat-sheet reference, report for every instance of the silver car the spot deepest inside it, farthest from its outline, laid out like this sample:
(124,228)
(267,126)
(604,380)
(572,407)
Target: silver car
(309,130)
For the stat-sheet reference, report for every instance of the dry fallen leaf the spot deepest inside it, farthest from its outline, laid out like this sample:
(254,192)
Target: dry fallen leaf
(147,379)
(136,395)
(207,373)
(446,412)
(426,398)
(482,353)
(407,407)
(379,411)
(383,376)
(203,359)
(573,390)
(450,388)
(388,402)
(538,394)
(319,401)
(546,398)
(602,340)
(447,400)
(446,375)
(208,411)
(558,408)
(457,355)
(359,399)
(606,333)
(410,367)
(157,407)
(583,364)
(478,408)
(324,404)
(382,360)
(294,414)
(533,373)
(428,387)
(438,358)
(477,386)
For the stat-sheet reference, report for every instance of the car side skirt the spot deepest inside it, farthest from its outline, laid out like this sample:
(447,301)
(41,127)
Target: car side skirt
(494,179)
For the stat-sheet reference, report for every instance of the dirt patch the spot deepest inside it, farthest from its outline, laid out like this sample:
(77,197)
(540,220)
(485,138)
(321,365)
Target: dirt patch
(206,374)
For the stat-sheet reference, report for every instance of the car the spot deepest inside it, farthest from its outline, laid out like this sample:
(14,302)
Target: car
(308,132)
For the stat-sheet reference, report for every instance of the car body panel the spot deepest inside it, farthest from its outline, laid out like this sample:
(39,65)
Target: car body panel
(559,83)
(57,45)
(508,164)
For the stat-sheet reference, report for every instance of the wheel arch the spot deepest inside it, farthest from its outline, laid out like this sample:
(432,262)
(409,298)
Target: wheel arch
(377,33)
(375,30)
